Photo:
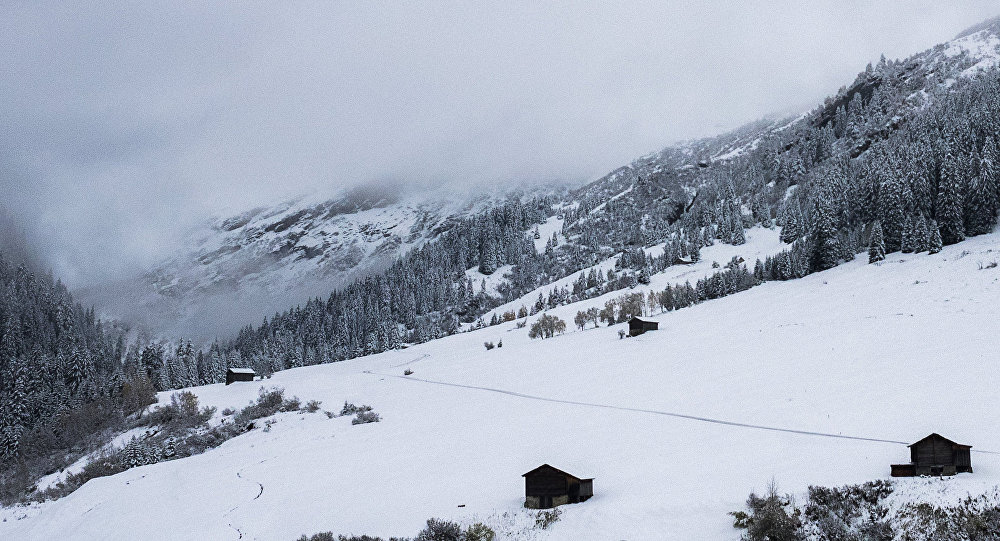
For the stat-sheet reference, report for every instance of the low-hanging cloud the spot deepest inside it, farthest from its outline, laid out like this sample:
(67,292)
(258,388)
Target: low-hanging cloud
(125,123)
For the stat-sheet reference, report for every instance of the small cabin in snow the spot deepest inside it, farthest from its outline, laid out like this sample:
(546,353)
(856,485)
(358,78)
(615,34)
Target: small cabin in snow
(935,455)
(638,326)
(239,374)
(546,487)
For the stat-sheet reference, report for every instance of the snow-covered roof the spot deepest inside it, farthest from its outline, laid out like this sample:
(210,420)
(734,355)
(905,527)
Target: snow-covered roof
(939,436)
(242,370)
(557,470)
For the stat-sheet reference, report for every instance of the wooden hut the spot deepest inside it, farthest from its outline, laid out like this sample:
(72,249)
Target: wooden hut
(239,374)
(638,326)
(935,455)
(546,487)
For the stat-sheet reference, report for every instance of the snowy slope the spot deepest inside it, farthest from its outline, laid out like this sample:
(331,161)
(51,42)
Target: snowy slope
(760,244)
(851,352)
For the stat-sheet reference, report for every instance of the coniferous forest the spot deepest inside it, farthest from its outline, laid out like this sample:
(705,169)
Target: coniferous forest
(55,357)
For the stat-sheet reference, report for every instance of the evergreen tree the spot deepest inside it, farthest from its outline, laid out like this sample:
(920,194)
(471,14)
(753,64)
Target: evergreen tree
(891,213)
(950,215)
(790,231)
(934,243)
(989,169)
(823,239)
(736,235)
(981,202)
(876,246)
(921,235)
(908,236)
(488,257)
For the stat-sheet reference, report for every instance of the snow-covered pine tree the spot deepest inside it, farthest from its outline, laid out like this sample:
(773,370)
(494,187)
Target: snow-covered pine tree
(921,235)
(876,246)
(906,246)
(823,239)
(790,231)
(891,213)
(135,454)
(950,215)
(981,201)
(736,233)
(488,257)
(934,243)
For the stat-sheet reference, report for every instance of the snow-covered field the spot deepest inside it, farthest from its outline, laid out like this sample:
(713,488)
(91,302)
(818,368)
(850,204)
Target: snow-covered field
(888,352)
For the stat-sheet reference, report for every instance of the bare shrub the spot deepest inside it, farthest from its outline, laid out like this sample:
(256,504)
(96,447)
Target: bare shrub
(768,519)
(182,412)
(312,406)
(546,327)
(351,409)
(544,519)
(440,530)
(365,417)
(479,532)
(269,402)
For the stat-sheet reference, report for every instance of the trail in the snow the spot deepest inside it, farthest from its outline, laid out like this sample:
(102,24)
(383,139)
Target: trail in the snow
(659,412)
(261,485)
(239,474)
(420,358)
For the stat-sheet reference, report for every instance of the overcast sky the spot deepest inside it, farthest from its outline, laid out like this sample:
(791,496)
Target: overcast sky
(121,123)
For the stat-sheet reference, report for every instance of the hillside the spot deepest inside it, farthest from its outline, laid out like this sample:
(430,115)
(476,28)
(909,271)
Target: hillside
(908,143)
(236,268)
(892,352)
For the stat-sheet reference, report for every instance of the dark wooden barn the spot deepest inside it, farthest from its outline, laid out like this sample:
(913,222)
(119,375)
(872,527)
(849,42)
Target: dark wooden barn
(546,487)
(935,455)
(239,374)
(638,326)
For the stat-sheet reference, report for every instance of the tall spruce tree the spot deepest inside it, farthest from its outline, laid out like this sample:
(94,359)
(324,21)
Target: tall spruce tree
(891,214)
(908,236)
(791,231)
(921,235)
(823,239)
(950,204)
(934,243)
(982,197)
(876,246)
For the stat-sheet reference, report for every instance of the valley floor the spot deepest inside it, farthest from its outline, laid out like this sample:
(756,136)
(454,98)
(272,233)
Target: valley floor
(888,352)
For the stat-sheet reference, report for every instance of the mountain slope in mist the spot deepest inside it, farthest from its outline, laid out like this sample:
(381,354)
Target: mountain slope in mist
(244,267)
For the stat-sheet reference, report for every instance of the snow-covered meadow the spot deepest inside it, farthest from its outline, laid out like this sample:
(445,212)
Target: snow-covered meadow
(887,352)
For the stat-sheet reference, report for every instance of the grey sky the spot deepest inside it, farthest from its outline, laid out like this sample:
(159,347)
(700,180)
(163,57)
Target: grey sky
(123,122)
